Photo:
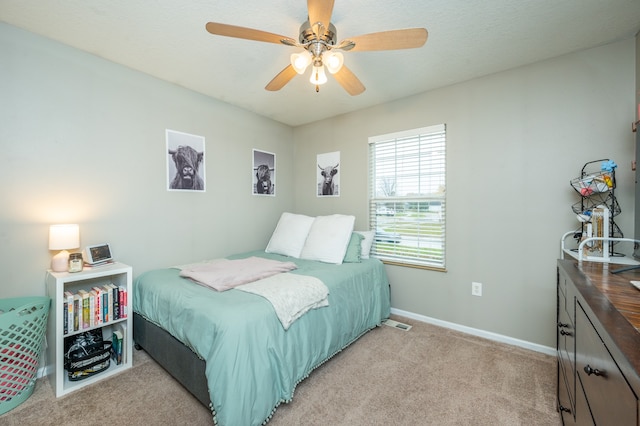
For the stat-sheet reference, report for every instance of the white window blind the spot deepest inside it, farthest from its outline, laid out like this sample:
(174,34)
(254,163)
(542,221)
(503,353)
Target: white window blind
(407,196)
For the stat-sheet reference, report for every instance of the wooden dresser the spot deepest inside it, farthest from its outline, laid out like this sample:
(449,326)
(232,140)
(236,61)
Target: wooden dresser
(598,344)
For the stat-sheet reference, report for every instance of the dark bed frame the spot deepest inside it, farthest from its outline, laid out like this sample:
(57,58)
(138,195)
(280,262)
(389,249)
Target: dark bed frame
(179,361)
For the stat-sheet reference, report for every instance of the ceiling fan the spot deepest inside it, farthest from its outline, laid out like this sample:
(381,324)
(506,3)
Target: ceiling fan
(318,39)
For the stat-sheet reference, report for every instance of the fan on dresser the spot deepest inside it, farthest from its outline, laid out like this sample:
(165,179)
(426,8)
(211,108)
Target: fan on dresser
(318,39)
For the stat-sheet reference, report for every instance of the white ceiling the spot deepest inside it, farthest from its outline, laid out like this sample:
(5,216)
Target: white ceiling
(467,39)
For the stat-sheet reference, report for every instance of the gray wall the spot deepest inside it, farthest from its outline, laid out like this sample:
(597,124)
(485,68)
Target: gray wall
(514,141)
(83,141)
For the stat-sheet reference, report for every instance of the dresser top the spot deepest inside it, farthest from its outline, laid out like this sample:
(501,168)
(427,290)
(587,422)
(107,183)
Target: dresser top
(615,287)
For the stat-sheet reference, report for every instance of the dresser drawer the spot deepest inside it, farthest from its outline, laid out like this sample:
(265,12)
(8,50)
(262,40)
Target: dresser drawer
(605,387)
(565,406)
(566,336)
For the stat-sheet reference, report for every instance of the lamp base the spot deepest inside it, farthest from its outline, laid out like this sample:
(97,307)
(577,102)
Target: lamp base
(60,262)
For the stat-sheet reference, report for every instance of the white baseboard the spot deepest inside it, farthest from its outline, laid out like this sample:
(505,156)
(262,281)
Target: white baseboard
(477,332)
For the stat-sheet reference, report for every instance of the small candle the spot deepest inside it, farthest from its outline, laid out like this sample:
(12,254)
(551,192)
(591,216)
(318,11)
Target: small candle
(75,262)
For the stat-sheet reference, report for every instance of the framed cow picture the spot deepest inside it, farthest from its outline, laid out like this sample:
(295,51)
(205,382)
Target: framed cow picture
(327,174)
(264,173)
(185,162)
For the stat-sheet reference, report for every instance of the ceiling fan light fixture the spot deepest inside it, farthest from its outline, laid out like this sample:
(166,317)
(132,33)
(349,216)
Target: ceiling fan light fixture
(333,61)
(300,61)
(318,76)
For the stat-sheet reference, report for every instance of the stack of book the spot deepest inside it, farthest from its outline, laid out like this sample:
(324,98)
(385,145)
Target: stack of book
(94,307)
(118,351)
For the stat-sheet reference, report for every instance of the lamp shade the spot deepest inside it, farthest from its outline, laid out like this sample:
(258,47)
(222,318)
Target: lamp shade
(318,76)
(300,61)
(333,61)
(63,237)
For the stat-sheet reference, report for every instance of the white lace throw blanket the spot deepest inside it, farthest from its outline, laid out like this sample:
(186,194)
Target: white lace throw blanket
(291,295)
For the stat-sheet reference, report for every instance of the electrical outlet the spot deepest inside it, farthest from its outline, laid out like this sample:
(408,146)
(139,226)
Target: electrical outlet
(476,289)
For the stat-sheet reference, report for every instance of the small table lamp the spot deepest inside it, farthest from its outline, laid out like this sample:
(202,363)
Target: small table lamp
(63,237)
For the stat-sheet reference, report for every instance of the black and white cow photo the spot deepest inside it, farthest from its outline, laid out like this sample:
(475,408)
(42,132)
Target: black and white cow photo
(185,162)
(264,173)
(328,177)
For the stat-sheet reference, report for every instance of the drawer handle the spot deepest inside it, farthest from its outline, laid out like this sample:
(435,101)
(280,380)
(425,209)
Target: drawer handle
(565,333)
(594,371)
(562,325)
(565,409)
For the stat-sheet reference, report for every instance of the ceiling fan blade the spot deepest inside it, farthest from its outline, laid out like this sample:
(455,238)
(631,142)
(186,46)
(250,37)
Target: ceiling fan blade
(280,80)
(349,81)
(320,11)
(246,33)
(389,40)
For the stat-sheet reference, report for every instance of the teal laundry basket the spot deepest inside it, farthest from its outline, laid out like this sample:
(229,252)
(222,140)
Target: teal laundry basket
(23,323)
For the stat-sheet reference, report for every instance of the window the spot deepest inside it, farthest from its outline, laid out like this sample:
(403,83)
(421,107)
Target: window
(407,197)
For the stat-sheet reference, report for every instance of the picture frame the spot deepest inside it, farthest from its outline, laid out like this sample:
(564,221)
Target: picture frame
(327,174)
(263,173)
(185,161)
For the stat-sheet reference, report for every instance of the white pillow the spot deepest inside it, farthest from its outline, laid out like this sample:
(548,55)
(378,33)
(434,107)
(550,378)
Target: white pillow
(366,243)
(290,234)
(328,238)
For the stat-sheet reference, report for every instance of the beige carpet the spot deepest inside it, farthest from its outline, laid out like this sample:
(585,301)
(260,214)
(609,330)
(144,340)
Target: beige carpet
(427,376)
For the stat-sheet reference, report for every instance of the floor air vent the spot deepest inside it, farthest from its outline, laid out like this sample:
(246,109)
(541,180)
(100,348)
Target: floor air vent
(396,324)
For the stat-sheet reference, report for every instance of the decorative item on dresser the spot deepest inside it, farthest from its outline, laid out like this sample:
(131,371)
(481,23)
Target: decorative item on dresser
(598,344)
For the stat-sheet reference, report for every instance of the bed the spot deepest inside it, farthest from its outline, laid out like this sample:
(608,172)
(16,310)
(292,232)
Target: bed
(232,351)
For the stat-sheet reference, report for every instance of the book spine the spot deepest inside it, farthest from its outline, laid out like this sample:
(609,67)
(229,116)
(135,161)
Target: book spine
(124,311)
(116,303)
(65,316)
(98,307)
(105,306)
(116,345)
(123,345)
(69,300)
(109,294)
(77,312)
(92,309)
(120,348)
(85,316)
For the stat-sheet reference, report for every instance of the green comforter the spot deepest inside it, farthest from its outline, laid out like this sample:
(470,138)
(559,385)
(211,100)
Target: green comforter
(252,363)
